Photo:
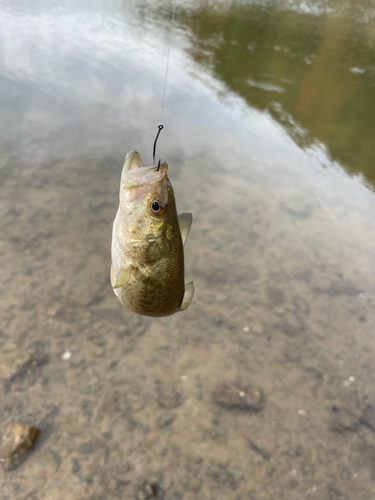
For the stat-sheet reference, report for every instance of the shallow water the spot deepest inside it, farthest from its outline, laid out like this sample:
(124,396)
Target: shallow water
(269,136)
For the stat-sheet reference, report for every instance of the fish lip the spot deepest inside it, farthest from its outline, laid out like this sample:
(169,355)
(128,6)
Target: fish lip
(143,176)
(133,161)
(142,169)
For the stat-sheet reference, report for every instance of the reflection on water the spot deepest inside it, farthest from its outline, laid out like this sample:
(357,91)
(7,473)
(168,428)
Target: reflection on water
(314,69)
(264,387)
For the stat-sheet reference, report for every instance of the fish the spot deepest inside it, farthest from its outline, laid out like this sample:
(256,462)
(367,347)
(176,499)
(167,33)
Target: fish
(148,238)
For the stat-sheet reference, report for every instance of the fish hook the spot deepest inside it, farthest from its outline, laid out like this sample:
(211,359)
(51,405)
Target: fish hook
(160,127)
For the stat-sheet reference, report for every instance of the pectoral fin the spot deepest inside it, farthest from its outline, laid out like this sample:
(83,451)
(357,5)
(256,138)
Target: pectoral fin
(185,221)
(188,297)
(122,277)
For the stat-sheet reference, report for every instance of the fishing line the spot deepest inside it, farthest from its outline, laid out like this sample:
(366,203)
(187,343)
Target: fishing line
(161,126)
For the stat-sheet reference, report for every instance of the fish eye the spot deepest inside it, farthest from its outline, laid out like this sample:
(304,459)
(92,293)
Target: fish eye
(157,206)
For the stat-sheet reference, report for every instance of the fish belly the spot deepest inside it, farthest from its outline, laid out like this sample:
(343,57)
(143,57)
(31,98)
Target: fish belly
(150,296)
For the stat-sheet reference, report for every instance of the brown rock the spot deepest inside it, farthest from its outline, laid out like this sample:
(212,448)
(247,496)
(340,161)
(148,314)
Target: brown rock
(14,361)
(17,440)
(245,398)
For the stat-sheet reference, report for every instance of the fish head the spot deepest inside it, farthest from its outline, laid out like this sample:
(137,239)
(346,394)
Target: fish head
(147,202)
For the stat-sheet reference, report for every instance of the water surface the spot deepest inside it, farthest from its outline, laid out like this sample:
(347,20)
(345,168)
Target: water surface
(269,136)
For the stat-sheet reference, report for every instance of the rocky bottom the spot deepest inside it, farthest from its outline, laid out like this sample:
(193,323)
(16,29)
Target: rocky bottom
(262,389)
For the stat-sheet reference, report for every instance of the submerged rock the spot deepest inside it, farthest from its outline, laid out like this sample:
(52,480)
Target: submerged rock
(244,398)
(18,364)
(150,490)
(344,421)
(14,361)
(168,395)
(17,440)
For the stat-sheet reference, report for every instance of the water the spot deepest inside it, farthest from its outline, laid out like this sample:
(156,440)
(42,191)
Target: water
(269,136)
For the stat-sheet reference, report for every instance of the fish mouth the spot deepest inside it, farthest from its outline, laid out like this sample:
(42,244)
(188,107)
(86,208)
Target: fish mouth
(133,161)
(135,174)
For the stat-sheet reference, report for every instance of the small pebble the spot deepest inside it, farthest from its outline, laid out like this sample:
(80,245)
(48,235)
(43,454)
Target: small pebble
(302,413)
(67,355)
(150,490)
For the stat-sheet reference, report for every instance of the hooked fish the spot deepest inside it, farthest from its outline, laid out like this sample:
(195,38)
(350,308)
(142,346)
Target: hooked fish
(147,272)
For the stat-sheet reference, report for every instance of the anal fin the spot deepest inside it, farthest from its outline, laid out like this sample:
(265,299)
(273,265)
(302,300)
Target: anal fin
(188,296)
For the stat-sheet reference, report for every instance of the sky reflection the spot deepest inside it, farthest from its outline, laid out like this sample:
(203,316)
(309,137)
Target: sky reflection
(80,78)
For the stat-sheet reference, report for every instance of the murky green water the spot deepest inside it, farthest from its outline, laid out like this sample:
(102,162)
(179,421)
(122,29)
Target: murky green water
(269,126)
